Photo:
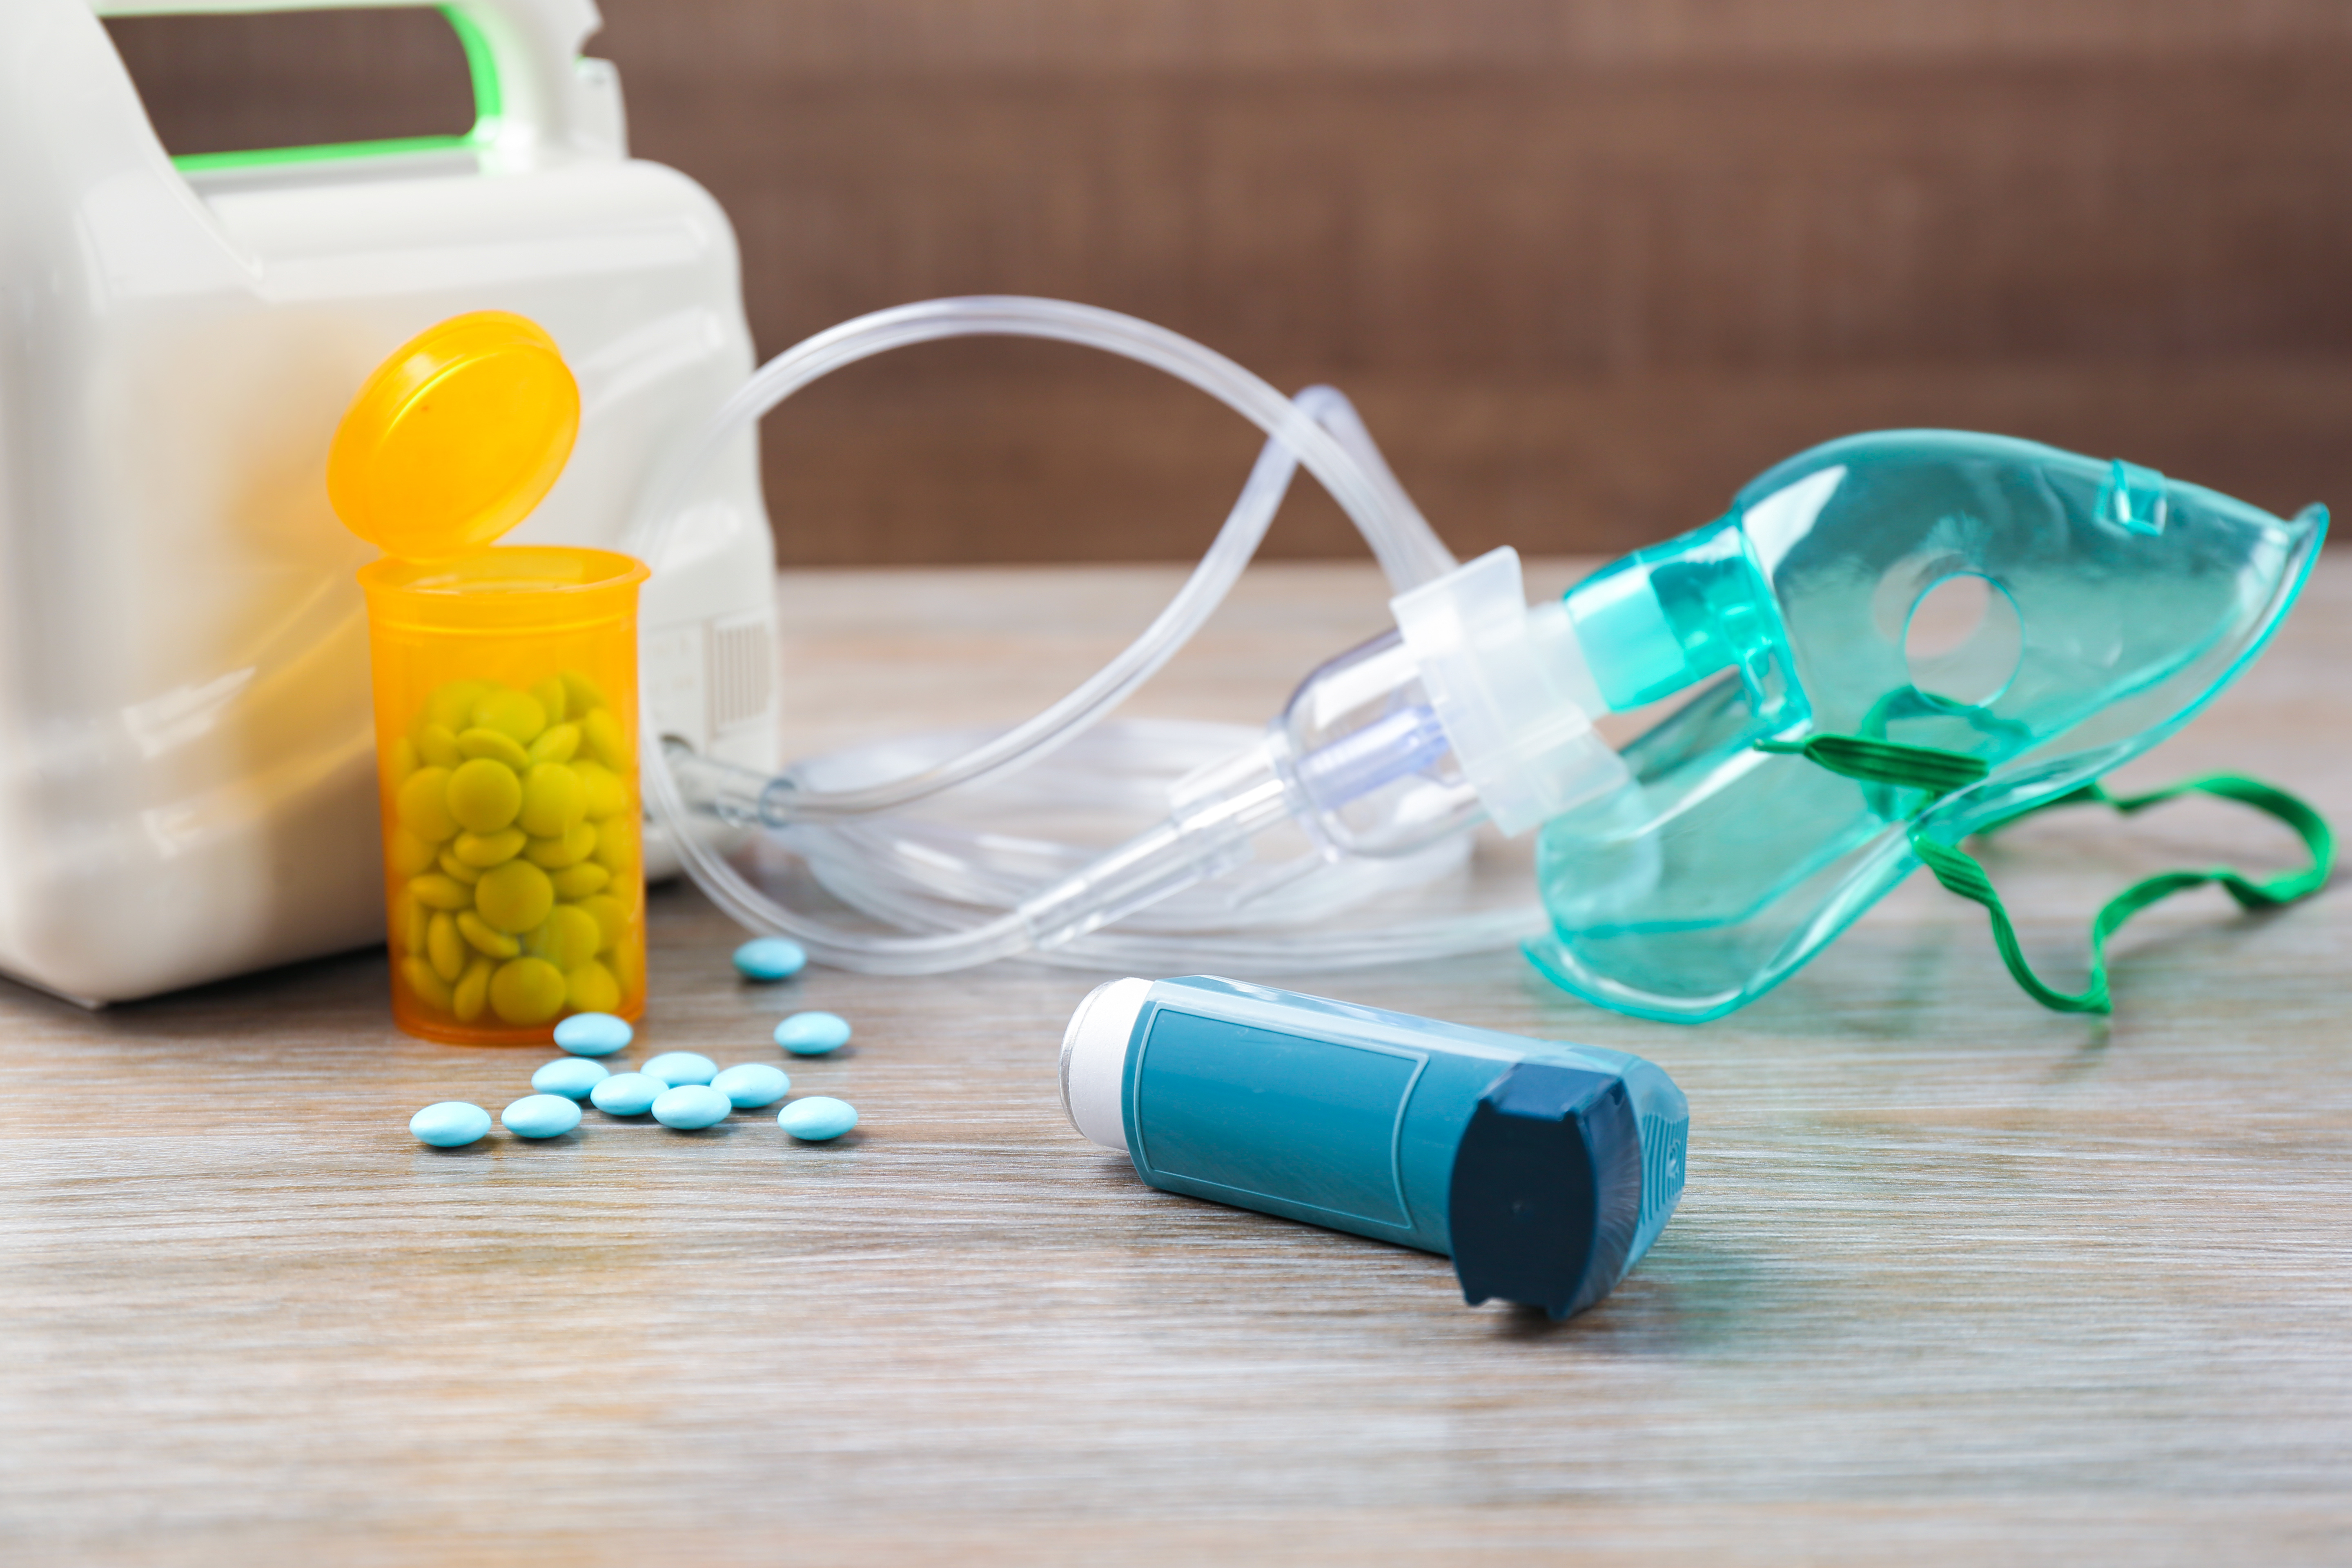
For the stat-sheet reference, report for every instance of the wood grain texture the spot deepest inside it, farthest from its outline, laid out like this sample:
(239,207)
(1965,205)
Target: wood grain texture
(1588,264)
(1954,1280)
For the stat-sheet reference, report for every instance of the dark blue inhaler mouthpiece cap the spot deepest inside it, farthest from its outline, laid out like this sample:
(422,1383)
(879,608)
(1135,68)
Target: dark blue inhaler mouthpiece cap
(1547,1189)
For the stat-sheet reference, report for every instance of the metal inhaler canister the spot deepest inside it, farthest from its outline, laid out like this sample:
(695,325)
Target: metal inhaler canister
(1543,1170)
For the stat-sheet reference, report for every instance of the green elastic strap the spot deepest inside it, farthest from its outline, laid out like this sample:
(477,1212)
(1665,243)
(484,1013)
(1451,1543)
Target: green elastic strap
(1938,771)
(1929,768)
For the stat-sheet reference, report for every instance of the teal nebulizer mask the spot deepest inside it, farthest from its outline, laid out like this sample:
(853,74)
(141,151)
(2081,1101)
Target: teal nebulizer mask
(1825,754)
(1817,748)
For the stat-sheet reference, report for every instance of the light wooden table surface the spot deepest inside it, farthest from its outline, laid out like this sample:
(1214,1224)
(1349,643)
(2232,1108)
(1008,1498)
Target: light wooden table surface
(1953,1280)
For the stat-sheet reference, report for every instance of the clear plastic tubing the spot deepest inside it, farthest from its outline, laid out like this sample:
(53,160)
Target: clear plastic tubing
(1216,811)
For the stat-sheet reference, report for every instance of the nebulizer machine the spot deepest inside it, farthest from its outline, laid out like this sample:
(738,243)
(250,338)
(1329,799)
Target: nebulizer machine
(187,773)
(216,760)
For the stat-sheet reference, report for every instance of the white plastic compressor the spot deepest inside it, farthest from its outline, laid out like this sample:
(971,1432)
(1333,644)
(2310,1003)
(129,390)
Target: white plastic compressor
(186,772)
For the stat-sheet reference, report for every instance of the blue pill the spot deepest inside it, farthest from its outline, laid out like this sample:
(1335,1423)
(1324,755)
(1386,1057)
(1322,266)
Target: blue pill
(452,1124)
(594,1033)
(626,1094)
(752,1085)
(572,1076)
(540,1115)
(691,1106)
(770,958)
(813,1034)
(675,1067)
(817,1119)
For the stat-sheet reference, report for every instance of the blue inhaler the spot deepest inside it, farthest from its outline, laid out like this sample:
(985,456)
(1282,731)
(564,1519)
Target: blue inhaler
(1543,1170)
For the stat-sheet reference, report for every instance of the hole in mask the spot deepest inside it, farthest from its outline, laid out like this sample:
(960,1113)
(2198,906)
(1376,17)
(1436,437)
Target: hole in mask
(1962,640)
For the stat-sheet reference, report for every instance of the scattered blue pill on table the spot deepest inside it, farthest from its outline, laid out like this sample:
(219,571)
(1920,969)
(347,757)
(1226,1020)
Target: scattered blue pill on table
(572,1077)
(818,1118)
(752,1085)
(676,1068)
(813,1034)
(627,1094)
(691,1106)
(594,1033)
(452,1124)
(770,958)
(540,1115)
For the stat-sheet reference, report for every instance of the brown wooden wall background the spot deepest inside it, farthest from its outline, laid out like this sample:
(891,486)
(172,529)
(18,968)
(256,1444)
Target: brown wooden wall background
(1586,265)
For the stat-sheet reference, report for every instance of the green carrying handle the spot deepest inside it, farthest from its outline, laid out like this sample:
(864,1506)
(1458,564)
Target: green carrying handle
(535,97)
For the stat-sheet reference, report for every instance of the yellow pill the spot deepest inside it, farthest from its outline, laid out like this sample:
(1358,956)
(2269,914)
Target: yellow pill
(616,846)
(576,845)
(607,795)
(628,965)
(556,745)
(527,991)
(580,694)
(552,699)
(579,881)
(472,994)
(611,918)
(483,797)
(605,741)
(515,897)
(445,948)
(553,801)
(452,707)
(569,938)
(436,744)
(484,938)
(488,849)
(423,804)
(629,892)
(479,742)
(409,924)
(402,763)
(408,854)
(436,892)
(590,988)
(424,984)
(515,714)
(452,867)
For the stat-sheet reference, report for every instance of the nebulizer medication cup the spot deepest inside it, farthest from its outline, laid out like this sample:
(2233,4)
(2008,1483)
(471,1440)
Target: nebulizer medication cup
(506,695)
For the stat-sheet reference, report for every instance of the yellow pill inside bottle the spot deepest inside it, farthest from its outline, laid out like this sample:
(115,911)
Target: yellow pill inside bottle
(570,937)
(591,987)
(577,844)
(484,850)
(424,805)
(556,743)
(527,991)
(437,746)
(484,795)
(471,994)
(496,744)
(514,897)
(486,938)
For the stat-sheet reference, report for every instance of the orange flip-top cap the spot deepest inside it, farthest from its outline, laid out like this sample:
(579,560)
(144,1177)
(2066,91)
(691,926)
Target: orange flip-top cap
(456,437)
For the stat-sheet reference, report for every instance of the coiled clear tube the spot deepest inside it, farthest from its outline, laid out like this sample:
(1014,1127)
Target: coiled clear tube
(1059,919)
